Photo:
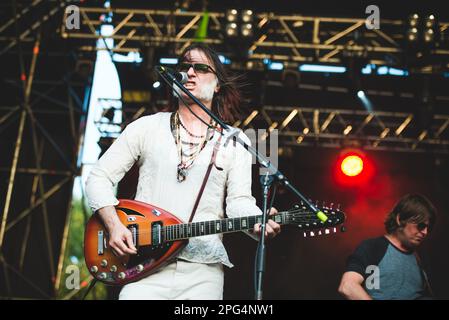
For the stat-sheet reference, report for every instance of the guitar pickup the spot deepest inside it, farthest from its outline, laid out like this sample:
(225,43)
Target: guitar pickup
(156,233)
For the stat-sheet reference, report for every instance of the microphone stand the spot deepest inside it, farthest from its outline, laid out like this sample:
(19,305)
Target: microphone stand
(272,174)
(266,182)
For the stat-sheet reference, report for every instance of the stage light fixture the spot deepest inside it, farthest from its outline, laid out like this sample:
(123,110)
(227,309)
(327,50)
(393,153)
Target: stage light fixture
(231,15)
(156,84)
(429,32)
(430,21)
(413,20)
(247,16)
(231,29)
(352,165)
(247,30)
(239,23)
(429,35)
(412,35)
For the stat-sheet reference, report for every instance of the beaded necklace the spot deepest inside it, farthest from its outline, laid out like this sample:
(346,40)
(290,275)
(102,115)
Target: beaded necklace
(188,151)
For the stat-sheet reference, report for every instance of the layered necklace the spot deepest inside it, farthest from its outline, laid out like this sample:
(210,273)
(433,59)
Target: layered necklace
(188,151)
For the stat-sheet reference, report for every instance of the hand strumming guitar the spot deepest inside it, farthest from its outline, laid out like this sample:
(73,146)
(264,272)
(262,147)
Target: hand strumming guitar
(120,238)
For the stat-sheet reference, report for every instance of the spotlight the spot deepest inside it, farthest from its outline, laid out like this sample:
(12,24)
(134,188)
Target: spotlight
(275,66)
(247,16)
(247,26)
(428,35)
(365,100)
(412,35)
(231,29)
(239,23)
(231,15)
(422,31)
(166,60)
(412,31)
(361,94)
(156,84)
(353,168)
(430,28)
(413,20)
(352,165)
(247,30)
(430,21)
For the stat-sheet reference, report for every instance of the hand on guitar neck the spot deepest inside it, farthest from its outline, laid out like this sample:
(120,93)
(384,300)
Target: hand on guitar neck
(120,238)
(272,228)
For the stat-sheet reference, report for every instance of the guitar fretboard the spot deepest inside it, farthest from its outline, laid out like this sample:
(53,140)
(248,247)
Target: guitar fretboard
(202,228)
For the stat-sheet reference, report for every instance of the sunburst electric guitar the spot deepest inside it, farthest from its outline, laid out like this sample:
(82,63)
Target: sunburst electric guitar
(159,236)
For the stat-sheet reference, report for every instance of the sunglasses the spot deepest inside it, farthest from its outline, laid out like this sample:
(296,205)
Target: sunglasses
(422,225)
(198,67)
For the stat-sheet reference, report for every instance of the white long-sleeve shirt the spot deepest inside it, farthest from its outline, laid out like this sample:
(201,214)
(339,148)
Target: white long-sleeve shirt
(150,142)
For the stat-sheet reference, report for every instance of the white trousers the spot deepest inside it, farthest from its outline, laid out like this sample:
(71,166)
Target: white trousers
(180,280)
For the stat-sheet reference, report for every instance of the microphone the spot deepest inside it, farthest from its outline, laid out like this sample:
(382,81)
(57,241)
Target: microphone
(182,77)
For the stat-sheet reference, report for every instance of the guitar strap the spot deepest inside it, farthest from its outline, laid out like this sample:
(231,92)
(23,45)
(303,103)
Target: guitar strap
(206,176)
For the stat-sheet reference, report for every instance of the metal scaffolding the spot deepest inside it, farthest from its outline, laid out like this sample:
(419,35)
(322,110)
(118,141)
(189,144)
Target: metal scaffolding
(337,128)
(29,163)
(293,37)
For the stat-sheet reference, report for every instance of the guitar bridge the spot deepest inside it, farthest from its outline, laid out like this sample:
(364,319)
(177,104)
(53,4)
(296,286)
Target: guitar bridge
(100,246)
(134,231)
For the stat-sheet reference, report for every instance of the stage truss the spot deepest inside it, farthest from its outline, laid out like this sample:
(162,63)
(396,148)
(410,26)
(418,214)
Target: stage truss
(292,38)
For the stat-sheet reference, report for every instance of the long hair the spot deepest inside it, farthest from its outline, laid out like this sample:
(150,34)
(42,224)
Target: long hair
(410,208)
(226,102)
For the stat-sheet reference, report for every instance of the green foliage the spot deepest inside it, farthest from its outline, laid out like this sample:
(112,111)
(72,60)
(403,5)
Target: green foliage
(74,255)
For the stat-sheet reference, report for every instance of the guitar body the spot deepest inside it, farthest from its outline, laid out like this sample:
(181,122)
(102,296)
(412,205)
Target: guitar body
(145,221)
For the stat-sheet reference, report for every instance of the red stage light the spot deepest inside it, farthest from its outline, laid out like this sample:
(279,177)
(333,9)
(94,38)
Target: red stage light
(352,165)
(353,168)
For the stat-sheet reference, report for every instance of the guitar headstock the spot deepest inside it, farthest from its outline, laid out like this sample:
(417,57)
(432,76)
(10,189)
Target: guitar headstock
(304,218)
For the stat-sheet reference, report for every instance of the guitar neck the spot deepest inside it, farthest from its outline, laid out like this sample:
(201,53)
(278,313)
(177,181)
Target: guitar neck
(228,225)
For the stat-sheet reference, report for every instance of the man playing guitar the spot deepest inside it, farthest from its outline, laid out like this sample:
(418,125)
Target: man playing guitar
(174,151)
